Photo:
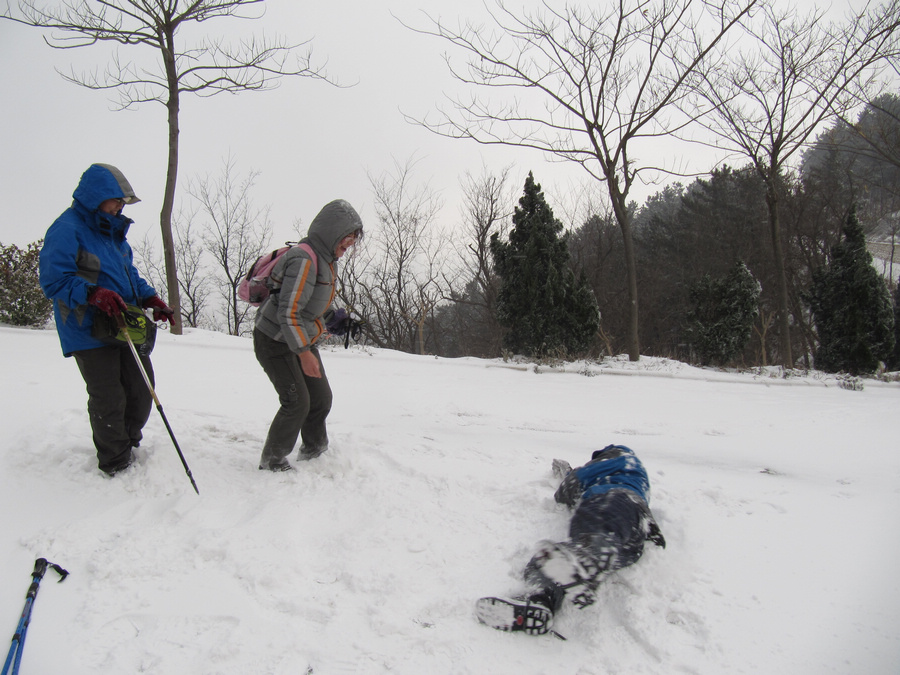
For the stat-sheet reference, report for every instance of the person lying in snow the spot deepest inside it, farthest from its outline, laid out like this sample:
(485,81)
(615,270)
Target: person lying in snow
(610,523)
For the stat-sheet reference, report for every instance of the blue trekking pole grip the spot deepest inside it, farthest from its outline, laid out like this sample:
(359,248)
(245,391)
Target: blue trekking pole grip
(14,657)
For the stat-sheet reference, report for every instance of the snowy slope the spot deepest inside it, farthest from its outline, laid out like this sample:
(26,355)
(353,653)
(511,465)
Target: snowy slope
(780,501)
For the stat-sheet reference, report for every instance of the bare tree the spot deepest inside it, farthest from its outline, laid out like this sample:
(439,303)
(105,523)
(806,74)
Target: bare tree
(774,93)
(877,133)
(486,210)
(236,234)
(594,83)
(147,258)
(192,280)
(595,246)
(206,67)
(193,283)
(395,280)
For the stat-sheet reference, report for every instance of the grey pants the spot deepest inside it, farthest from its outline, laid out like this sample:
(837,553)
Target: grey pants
(305,401)
(607,531)
(119,401)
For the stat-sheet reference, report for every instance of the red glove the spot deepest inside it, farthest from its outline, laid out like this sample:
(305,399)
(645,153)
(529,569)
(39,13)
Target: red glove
(161,311)
(107,301)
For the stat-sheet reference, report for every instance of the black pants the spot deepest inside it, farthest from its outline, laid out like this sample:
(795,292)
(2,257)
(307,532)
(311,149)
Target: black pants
(119,401)
(611,527)
(305,401)
(608,530)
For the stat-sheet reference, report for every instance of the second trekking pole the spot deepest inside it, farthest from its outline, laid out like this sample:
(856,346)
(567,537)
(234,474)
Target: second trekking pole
(14,657)
(140,365)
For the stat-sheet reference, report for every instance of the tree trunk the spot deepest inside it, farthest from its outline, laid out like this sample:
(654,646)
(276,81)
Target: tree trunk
(784,316)
(623,218)
(165,215)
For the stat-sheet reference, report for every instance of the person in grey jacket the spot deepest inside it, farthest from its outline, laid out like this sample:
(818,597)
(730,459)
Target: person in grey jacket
(288,326)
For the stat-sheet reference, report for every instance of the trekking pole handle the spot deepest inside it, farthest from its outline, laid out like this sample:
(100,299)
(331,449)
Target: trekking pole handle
(120,319)
(40,569)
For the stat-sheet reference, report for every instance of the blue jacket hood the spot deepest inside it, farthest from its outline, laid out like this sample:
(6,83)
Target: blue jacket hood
(86,247)
(101,182)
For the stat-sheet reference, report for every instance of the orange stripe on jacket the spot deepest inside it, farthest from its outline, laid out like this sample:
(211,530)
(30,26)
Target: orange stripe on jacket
(295,310)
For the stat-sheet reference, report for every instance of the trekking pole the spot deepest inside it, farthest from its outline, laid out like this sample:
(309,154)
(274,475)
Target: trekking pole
(137,358)
(18,641)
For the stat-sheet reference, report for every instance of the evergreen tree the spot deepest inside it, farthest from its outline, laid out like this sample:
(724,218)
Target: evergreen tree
(721,321)
(893,362)
(851,308)
(22,302)
(702,228)
(545,309)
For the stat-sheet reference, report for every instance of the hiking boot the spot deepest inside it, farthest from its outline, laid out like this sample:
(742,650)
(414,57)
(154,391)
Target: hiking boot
(307,453)
(514,614)
(120,467)
(279,466)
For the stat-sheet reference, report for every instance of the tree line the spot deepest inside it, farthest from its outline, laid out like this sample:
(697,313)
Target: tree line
(513,278)
(588,85)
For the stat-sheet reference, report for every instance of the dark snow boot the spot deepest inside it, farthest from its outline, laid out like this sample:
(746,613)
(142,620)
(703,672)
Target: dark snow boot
(121,466)
(280,466)
(308,453)
(515,614)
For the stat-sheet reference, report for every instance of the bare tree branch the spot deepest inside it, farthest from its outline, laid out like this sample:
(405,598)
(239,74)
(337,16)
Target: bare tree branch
(586,85)
(771,96)
(236,234)
(396,276)
(206,68)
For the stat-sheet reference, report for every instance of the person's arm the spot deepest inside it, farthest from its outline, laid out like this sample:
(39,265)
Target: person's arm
(59,273)
(297,286)
(569,490)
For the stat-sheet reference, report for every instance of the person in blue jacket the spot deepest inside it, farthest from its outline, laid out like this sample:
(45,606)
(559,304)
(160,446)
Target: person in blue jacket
(87,269)
(609,525)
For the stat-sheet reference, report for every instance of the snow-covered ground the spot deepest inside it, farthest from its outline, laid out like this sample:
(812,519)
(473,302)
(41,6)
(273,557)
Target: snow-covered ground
(779,498)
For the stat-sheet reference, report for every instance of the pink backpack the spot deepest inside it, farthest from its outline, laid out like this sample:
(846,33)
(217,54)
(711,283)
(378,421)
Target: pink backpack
(254,287)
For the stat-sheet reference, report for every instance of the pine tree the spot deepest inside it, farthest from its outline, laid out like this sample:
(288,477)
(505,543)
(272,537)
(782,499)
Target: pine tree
(893,362)
(22,302)
(721,322)
(546,310)
(851,307)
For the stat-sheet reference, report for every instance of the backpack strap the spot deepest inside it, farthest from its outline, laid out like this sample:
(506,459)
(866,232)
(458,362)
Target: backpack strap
(312,254)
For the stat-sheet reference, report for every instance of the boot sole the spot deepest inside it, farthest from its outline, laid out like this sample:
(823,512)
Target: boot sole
(508,614)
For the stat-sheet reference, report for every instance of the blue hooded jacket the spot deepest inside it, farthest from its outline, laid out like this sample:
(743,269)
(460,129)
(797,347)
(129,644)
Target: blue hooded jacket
(615,466)
(84,248)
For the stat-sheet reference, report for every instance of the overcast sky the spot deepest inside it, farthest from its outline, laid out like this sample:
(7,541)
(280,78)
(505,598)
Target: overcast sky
(309,141)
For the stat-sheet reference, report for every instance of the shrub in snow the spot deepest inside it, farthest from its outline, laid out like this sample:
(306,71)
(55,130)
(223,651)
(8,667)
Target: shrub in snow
(22,302)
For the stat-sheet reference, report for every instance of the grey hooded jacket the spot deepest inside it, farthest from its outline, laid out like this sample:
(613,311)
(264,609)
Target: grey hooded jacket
(303,289)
